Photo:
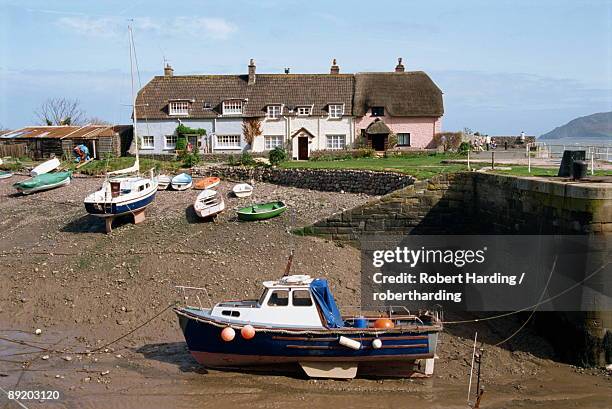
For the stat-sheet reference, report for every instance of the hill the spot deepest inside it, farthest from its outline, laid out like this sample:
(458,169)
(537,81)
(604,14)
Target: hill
(592,126)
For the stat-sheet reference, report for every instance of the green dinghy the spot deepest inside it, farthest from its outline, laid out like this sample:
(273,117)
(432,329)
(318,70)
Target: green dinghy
(261,211)
(45,181)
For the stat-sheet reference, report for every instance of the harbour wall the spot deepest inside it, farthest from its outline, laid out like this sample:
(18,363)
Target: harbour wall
(479,203)
(335,180)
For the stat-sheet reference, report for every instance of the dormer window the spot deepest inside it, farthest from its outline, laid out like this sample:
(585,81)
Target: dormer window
(232,107)
(378,111)
(207,106)
(273,111)
(336,111)
(304,111)
(178,108)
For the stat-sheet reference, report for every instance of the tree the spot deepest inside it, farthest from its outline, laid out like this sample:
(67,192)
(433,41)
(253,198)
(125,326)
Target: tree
(251,129)
(60,111)
(94,120)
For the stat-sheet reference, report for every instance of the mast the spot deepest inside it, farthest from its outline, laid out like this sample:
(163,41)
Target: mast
(134,119)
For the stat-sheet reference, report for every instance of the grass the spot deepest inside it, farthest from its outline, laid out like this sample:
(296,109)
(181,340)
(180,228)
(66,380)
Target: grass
(99,167)
(419,166)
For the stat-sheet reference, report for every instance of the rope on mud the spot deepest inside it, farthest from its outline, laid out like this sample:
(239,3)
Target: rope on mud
(531,307)
(95,350)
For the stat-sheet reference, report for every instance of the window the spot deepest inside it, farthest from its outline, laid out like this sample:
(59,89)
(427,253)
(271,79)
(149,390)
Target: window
(403,139)
(336,141)
(148,142)
(170,142)
(207,106)
(303,111)
(336,110)
(301,298)
(232,107)
(279,298)
(179,108)
(230,313)
(272,141)
(228,141)
(274,111)
(378,111)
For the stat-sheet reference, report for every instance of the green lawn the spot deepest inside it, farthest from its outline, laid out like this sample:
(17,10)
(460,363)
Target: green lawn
(99,167)
(419,166)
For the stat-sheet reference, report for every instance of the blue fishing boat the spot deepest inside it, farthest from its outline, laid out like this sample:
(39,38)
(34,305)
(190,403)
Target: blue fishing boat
(297,321)
(182,181)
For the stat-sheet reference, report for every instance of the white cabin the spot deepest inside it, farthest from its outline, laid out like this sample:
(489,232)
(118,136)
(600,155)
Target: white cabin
(286,302)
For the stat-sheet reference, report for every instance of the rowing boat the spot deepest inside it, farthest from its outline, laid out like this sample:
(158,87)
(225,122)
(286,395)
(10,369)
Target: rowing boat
(261,211)
(206,183)
(45,181)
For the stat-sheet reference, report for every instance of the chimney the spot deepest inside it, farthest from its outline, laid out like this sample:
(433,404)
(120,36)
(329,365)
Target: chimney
(287,70)
(251,72)
(334,68)
(399,67)
(168,71)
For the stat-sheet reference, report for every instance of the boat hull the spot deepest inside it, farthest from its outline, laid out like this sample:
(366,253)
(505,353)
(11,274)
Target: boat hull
(266,212)
(182,186)
(26,191)
(5,175)
(282,346)
(120,208)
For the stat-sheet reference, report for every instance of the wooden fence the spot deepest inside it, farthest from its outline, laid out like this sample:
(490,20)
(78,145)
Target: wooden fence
(15,150)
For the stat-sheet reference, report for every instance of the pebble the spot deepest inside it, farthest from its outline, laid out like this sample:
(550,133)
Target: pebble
(38,331)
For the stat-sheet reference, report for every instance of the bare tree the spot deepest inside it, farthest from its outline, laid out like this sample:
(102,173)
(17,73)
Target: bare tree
(94,120)
(60,111)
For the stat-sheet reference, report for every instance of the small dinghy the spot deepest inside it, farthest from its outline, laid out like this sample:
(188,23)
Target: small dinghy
(209,203)
(261,211)
(163,181)
(296,321)
(243,190)
(206,183)
(182,182)
(45,181)
(45,167)
(4,174)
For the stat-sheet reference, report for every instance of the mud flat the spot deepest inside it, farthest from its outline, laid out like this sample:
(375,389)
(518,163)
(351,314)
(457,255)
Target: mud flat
(83,289)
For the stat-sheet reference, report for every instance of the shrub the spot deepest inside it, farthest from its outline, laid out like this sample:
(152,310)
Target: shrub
(277,155)
(464,148)
(246,159)
(329,155)
(449,141)
(191,159)
(181,143)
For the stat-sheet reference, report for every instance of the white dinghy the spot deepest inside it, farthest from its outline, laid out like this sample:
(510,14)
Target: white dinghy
(163,181)
(45,167)
(243,190)
(209,203)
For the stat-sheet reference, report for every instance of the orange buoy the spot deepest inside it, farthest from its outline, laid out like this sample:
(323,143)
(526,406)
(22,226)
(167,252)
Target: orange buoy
(247,332)
(228,334)
(383,323)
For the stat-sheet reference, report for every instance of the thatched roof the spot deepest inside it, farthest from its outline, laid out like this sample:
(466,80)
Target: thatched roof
(400,93)
(378,127)
(207,93)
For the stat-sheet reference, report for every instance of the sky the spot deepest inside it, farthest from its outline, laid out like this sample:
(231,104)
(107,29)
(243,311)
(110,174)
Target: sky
(504,66)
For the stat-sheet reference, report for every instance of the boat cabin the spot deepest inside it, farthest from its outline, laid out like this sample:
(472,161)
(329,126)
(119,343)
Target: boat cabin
(124,186)
(292,301)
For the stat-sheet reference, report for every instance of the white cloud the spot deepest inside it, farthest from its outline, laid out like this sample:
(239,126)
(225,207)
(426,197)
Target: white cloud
(108,27)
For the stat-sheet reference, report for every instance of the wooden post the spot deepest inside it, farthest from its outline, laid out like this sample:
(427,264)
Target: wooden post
(468,163)
(493,160)
(108,221)
(139,216)
(528,162)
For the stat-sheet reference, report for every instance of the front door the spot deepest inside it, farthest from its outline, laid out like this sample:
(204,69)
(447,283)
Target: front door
(303,148)
(378,142)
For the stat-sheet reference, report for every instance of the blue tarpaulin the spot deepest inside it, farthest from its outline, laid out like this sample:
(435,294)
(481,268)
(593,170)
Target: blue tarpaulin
(327,304)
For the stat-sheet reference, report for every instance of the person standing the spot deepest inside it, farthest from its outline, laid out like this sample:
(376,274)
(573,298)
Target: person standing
(488,142)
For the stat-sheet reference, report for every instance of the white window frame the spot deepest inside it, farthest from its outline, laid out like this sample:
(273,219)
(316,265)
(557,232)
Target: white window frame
(228,142)
(170,146)
(336,111)
(232,107)
(305,111)
(274,111)
(145,145)
(335,142)
(178,108)
(272,141)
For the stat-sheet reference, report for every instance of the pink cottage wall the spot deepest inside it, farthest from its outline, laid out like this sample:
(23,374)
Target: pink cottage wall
(421,129)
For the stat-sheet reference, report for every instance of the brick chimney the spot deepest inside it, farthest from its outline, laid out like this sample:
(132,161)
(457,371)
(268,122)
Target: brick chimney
(251,72)
(399,67)
(334,68)
(168,71)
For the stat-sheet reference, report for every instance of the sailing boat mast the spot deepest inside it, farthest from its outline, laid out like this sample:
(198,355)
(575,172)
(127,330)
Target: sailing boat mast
(136,167)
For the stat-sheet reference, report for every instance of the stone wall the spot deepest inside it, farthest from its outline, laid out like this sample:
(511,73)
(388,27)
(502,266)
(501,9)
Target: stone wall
(335,180)
(449,204)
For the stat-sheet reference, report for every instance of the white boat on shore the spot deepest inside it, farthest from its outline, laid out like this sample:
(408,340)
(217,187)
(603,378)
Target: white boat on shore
(242,190)
(163,181)
(5,174)
(209,203)
(45,167)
